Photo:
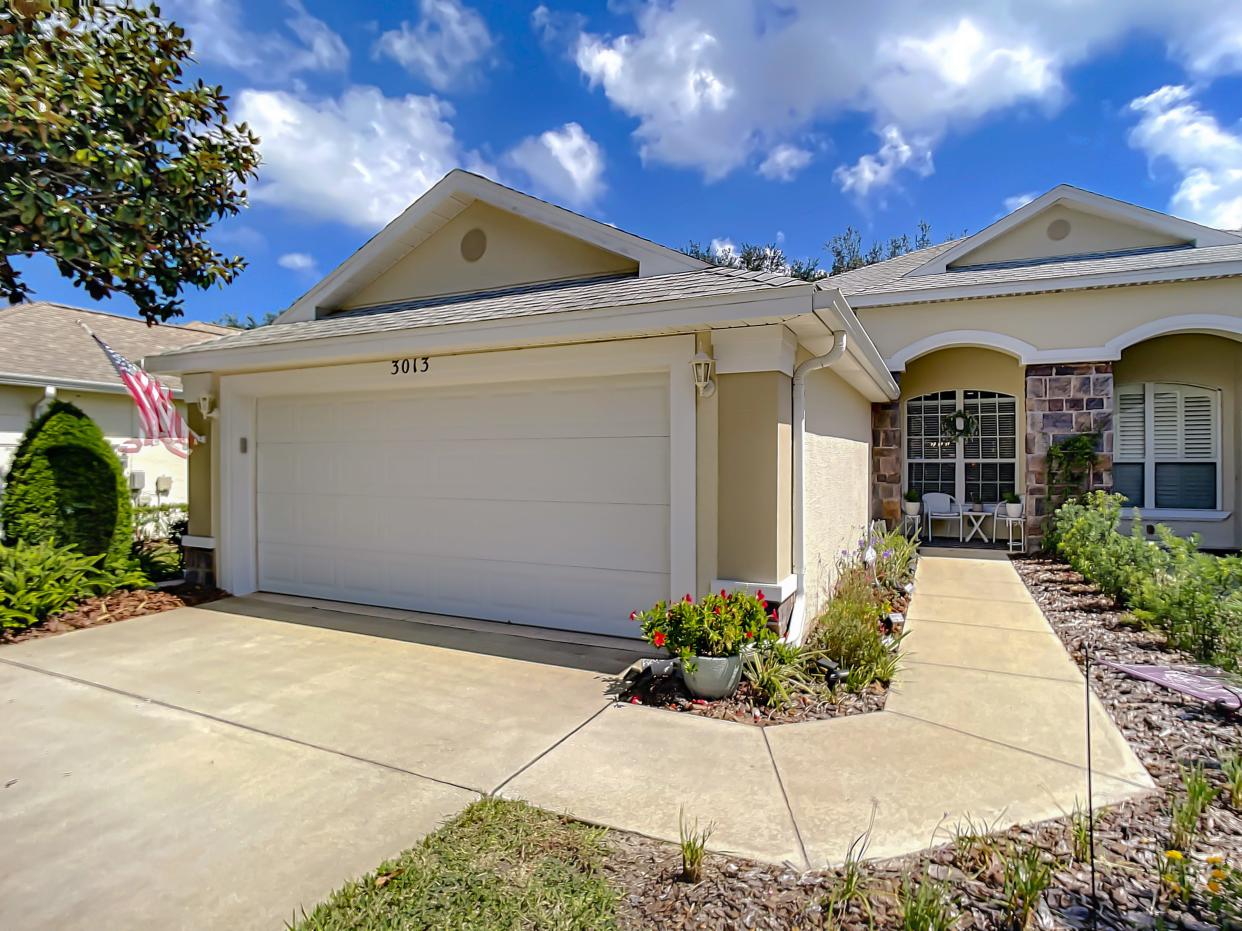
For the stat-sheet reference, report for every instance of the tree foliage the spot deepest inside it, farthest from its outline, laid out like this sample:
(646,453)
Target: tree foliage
(110,164)
(248,322)
(845,249)
(66,486)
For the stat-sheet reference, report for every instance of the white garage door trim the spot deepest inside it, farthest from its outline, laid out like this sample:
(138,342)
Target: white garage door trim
(239,394)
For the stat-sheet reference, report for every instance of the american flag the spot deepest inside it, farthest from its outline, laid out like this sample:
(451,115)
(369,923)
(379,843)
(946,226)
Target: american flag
(158,414)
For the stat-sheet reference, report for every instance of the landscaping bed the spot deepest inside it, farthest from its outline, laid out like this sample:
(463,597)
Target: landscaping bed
(115,606)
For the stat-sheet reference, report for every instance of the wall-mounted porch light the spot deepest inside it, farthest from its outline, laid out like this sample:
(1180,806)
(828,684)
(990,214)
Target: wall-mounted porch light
(206,406)
(703,365)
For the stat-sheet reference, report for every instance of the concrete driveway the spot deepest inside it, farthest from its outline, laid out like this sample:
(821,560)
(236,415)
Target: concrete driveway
(221,767)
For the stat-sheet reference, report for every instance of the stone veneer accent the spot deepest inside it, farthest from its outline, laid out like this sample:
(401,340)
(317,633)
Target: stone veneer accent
(886,462)
(200,565)
(1063,400)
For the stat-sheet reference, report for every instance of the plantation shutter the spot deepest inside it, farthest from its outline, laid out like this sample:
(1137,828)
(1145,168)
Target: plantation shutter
(1129,469)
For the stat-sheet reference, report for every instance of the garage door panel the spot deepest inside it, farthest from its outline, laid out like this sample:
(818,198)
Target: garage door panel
(542,502)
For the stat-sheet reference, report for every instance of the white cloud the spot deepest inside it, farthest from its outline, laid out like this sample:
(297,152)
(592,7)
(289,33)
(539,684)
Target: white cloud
(1173,128)
(880,170)
(360,158)
(298,262)
(784,162)
(220,35)
(1017,201)
(565,163)
(449,41)
(710,91)
(723,249)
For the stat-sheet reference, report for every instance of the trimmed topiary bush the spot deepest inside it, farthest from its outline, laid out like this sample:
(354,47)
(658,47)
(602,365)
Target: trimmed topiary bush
(66,486)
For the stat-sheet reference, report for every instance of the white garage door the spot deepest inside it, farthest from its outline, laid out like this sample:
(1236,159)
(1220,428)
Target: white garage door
(539,503)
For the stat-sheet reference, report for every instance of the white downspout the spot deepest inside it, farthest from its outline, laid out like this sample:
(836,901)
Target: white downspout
(797,618)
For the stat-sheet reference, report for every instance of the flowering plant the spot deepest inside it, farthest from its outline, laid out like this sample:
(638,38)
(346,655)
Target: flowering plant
(716,625)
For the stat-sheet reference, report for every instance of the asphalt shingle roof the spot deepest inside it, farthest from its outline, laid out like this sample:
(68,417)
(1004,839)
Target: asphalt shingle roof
(891,277)
(43,340)
(507,303)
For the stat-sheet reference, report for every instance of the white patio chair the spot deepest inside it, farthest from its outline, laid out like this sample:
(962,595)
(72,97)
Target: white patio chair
(939,506)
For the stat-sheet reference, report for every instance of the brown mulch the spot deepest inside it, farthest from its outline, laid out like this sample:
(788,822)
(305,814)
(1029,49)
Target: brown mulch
(1165,730)
(746,707)
(117,606)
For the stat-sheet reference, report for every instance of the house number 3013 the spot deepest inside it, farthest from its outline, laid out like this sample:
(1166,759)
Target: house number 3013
(410,366)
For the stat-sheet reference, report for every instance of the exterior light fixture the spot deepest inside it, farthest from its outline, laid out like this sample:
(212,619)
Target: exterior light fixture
(163,485)
(703,365)
(206,406)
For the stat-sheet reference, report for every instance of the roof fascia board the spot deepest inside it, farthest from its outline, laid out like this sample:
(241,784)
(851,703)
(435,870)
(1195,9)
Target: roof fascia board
(388,245)
(1088,202)
(654,319)
(831,306)
(69,384)
(1209,270)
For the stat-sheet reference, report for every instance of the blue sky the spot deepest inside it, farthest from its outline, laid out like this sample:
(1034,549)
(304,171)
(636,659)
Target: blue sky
(707,119)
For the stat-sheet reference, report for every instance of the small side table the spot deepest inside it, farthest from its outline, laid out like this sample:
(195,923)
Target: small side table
(974,525)
(1018,545)
(912,525)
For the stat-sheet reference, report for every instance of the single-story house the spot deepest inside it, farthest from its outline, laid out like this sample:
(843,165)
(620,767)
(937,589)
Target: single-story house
(500,409)
(46,355)
(1074,314)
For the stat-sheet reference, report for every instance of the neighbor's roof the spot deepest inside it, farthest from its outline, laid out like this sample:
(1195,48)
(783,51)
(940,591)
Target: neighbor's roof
(507,303)
(891,282)
(42,342)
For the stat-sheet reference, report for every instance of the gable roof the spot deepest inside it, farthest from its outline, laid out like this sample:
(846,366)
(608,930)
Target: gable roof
(925,275)
(41,343)
(1088,202)
(445,200)
(520,301)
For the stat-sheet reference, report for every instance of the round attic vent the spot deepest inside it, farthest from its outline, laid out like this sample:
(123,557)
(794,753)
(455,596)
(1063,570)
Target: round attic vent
(1058,230)
(473,245)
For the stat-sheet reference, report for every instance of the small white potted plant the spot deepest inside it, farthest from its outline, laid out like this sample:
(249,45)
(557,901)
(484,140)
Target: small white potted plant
(913,503)
(1013,504)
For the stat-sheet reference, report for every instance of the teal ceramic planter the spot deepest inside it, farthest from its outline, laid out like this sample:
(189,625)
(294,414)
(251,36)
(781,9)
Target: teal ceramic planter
(713,676)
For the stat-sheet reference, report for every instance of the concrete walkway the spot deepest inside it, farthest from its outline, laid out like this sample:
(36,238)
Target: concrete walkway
(223,766)
(987,722)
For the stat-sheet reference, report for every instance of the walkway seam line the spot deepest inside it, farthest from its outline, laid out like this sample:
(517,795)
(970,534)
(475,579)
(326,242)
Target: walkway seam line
(940,620)
(1034,753)
(245,727)
(995,672)
(793,819)
(539,756)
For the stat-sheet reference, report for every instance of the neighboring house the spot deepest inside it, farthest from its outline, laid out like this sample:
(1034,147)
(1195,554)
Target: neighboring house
(45,355)
(1075,314)
(490,410)
(499,409)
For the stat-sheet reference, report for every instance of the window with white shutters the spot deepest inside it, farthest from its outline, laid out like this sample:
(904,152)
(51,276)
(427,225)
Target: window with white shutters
(982,467)
(1167,452)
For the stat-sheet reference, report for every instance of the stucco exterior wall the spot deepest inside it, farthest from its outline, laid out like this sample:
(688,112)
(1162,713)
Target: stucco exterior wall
(754,411)
(1068,320)
(199,478)
(1087,233)
(706,479)
(517,252)
(1211,362)
(117,418)
(836,466)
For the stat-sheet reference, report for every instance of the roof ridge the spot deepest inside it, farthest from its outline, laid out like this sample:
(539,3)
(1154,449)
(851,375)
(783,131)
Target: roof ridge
(107,313)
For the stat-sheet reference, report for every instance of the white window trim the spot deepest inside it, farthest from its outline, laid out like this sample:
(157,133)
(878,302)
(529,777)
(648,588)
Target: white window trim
(959,459)
(1148,507)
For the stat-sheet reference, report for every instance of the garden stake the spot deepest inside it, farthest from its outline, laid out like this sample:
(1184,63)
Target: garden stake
(1095,902)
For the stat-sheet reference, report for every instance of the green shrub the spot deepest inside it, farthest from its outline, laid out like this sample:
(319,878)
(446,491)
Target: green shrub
(158,560)
(41,579)
(66,485)
(1168,584)
(780,671)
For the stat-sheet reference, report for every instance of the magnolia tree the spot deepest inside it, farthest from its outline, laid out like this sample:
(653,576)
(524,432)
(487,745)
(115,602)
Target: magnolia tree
(111,164)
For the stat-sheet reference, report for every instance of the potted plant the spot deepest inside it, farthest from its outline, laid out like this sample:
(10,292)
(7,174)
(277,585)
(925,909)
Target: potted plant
(1013,504)
(913,503)
(972,502)
(708,637)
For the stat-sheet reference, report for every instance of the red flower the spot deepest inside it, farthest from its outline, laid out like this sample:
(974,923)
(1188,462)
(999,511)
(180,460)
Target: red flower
(763,604)
(723,594)
(633,615)
(759,594)
(717,609)
(659,639)
(689,600)
(750,634)
(635,700)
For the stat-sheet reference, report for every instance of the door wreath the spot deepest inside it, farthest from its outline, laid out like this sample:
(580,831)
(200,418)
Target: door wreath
(960,425)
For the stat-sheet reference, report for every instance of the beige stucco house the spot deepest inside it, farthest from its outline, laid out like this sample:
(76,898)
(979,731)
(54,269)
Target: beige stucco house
(45,354)
(1075,314)
(500,409)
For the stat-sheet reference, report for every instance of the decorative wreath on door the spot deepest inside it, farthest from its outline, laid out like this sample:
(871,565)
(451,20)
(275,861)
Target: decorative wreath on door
(960,425)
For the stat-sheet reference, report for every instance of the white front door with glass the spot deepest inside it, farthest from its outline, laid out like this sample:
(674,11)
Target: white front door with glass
(973,457)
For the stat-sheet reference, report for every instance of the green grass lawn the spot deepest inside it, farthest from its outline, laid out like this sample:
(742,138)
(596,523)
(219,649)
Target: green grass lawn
(497,865)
